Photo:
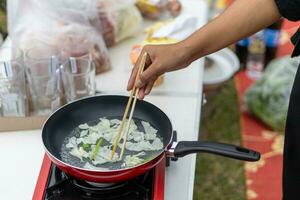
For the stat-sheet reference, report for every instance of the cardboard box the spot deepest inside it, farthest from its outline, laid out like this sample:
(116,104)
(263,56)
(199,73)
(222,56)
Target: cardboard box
(21,123)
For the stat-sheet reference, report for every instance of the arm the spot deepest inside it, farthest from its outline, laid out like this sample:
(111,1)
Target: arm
(242,19)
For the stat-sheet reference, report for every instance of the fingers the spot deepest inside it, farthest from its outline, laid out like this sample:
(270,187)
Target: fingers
(146,90)
(141,94)
(136,66)
(152,72)
(149,86)
(132,78)
(146,79)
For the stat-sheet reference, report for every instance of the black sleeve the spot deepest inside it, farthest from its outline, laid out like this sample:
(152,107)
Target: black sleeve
(289,9)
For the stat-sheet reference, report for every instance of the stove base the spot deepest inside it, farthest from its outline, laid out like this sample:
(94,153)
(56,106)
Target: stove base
(53,184)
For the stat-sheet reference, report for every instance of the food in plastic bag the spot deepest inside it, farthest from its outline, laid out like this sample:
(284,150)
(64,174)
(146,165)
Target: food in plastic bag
(67,25)
(268,98)
(159,9)
(92,46)
(120,20)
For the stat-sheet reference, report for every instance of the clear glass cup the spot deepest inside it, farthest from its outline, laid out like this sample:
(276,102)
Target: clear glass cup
(11,54)
(13,100)
(8,55)
(43,77)
(78,75)
(12,89)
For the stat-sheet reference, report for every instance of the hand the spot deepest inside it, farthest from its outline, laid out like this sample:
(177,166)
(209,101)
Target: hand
(160,59)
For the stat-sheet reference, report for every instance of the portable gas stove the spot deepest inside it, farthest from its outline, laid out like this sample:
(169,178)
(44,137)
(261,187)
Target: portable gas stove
(53,184)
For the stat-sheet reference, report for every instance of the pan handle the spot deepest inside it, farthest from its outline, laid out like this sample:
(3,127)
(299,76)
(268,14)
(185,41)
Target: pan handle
(228,150)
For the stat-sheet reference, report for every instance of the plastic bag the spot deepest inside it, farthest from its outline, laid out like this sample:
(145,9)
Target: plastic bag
(268,98)
(72,26)
(120,20)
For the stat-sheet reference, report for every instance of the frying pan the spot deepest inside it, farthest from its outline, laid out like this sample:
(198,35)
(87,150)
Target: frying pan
(60,124)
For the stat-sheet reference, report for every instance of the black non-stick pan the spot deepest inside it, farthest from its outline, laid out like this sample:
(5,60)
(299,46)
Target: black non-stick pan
(61,123)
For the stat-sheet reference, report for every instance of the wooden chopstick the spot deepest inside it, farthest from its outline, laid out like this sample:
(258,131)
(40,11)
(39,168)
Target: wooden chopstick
(116,142)
(134,92)
(117,138)
(128,124)
(141,69)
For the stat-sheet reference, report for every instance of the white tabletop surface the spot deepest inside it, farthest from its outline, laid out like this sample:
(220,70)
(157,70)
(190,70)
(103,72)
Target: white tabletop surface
(22,152)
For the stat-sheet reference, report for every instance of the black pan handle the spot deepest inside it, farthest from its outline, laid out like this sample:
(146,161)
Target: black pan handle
(228,150)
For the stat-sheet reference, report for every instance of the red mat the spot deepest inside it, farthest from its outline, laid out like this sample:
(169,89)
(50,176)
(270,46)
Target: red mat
(263,178)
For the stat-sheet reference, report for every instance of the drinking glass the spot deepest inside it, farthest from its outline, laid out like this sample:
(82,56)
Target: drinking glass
(13,100)
(78,75)
(12,89)
(43,77)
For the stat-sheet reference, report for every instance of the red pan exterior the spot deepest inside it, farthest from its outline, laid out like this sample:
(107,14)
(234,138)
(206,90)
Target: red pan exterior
(106,176)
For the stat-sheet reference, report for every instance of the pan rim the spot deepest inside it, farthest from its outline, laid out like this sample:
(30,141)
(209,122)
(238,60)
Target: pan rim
(106,171)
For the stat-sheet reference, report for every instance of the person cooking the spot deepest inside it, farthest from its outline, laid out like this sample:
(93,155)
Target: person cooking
(240,20)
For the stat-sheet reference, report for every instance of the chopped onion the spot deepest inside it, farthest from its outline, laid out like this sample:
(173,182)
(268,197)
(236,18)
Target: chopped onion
(72,142)
(88,165)
(103,156)
(133,160)
(84,146)
(84,133)
(79,153)
(83,126)
(150,132)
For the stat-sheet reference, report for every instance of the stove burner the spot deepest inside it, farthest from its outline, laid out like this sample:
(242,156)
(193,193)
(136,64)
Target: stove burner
(97,187)
(100,185)
(90,185)
(63,187)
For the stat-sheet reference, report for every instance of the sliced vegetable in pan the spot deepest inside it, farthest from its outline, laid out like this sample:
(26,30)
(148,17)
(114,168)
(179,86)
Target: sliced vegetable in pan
(96,149)
(90,144)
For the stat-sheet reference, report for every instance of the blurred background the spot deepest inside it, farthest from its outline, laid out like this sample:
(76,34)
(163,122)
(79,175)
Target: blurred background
(246,86)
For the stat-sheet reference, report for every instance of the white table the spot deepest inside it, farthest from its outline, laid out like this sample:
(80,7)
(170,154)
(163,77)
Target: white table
(22,152)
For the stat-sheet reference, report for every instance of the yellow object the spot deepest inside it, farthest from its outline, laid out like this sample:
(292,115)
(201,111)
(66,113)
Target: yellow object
(220,4)
(147,6)
(155,27)
(161,40)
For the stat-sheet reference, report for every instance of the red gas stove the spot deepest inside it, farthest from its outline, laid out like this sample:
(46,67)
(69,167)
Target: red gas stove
(54,184)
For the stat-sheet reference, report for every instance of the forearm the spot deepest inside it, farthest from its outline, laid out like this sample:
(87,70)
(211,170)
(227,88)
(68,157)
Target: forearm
(240,20)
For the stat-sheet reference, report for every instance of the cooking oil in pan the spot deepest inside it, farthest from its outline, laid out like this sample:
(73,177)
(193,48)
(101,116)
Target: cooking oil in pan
(109,165)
